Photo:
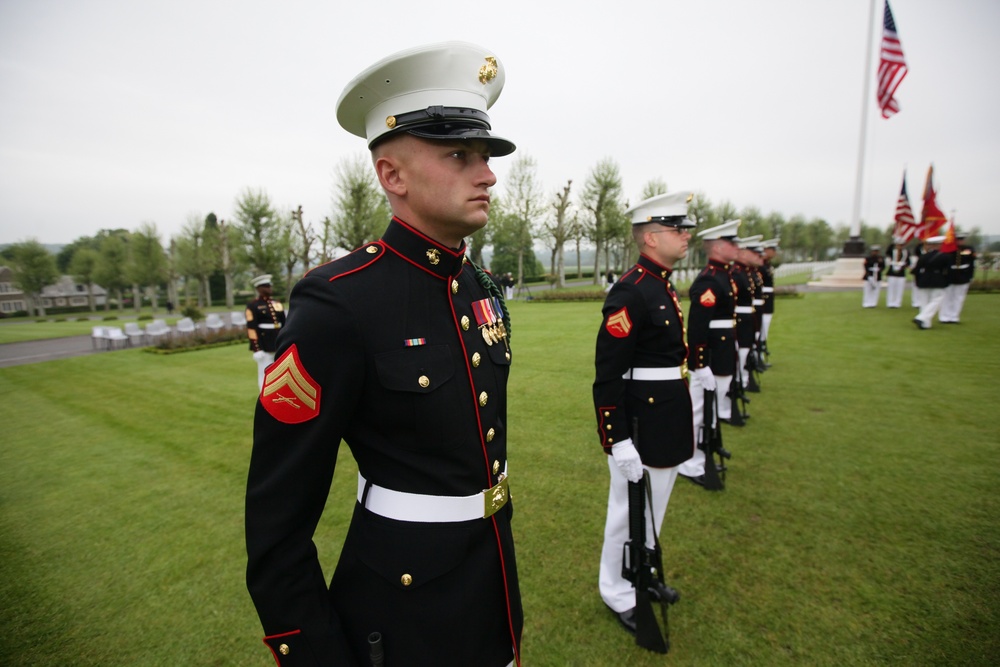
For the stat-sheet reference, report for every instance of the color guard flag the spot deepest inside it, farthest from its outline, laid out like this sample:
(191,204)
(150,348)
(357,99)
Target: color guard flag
(950,244)
(891,65)
(931,218)
(906,226)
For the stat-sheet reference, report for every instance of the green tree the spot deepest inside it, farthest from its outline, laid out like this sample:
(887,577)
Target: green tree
(195,256)
(819,239)
(654,186)
(360,207)
(261,232)
(147,266)
(602,197)
(83,267)
(558,231)
(111,272)
(33,269)
(524,205)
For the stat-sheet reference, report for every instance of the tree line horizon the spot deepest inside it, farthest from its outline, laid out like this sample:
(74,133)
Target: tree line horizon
(210,254)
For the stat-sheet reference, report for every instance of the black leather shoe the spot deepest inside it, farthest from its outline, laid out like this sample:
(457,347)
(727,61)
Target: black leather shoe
(627,619)
(920,325)
(699,480)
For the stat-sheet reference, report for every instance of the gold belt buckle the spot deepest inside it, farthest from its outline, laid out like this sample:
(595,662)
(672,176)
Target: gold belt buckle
(496,497)
(684,370)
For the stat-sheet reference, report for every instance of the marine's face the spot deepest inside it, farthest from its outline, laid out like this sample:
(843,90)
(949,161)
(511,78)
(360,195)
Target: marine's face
(668,244)
(447,186)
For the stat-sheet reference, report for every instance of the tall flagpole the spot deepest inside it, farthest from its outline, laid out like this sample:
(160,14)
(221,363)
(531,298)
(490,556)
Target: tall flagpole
(850,264)
(855,246)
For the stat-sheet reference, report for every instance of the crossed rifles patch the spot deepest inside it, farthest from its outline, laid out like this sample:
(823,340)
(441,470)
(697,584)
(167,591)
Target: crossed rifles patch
(290,394)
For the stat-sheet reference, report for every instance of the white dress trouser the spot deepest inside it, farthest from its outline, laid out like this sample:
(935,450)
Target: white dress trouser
(933,298)
(616,591)
(870,293)
(894,291)
(262,365)
(954,299)
(744,373)
(917,296)
(765,324)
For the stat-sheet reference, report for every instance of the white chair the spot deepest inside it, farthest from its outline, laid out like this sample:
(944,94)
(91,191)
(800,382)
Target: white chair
(238,319)
(135,333)
(117,338)
(99,338)
(185,326)
(213,322)
(156,329)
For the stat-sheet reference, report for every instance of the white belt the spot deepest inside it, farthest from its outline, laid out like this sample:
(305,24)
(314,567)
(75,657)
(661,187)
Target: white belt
(265,325)
(758,302)
(743,310)
(767,290)
(673,373)
(721,324)
(963,266)
(420,508)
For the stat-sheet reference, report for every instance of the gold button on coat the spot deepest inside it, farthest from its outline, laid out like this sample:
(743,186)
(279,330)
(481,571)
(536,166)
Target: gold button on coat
(483,397)
(465,322)
(406,580)
(284,650)
(489,437)
(424,381)
(476,359)
(496,467)
(454,287)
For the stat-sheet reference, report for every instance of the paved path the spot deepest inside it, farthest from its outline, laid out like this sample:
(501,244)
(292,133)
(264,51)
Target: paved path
(32,351)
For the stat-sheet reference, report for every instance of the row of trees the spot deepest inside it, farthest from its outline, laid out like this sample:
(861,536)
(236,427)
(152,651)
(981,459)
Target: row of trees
(211,255)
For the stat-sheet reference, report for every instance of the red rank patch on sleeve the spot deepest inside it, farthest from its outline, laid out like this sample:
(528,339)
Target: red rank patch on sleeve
(619,325)
(707,298)
(290,394)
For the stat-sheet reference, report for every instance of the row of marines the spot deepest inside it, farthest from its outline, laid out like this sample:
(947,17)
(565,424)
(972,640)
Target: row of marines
(670,382)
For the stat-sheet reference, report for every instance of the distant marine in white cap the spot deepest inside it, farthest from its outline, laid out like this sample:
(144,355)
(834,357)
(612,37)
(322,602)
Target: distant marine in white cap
(726,231)
(670,210)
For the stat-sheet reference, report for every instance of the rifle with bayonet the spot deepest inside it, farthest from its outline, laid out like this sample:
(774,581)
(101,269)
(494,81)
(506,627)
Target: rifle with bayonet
(643,567)
(710,442)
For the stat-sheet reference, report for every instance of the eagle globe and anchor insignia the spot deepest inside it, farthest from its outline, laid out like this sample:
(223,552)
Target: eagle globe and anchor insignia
(290,395)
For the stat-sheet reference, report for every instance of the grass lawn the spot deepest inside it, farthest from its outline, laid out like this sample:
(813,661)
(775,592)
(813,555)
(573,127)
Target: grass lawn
(860,526)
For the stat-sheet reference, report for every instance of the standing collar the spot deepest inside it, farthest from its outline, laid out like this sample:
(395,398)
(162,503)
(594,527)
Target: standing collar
(423,251)
(652,267)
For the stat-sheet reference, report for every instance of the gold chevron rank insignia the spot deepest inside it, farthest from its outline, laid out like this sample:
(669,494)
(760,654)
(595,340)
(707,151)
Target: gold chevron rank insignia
(618,324)
(707,298)
(290,394)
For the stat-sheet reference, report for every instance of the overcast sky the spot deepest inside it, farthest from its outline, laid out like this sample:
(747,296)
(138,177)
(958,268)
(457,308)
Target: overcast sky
(117,113)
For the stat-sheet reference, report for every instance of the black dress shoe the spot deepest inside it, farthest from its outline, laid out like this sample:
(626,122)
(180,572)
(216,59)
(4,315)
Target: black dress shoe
(627,619)
(699,480)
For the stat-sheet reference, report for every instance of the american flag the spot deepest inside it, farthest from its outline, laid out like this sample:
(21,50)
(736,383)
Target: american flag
(891,65)
(906,227)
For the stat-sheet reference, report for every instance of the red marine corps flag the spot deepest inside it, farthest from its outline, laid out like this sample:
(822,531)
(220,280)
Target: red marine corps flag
(950,244)
(891,65)
(931,218)
(906,226)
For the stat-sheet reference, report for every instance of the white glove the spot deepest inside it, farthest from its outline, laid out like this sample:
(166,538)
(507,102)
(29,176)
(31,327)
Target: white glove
(627,459)
(705,378)
(258,355)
